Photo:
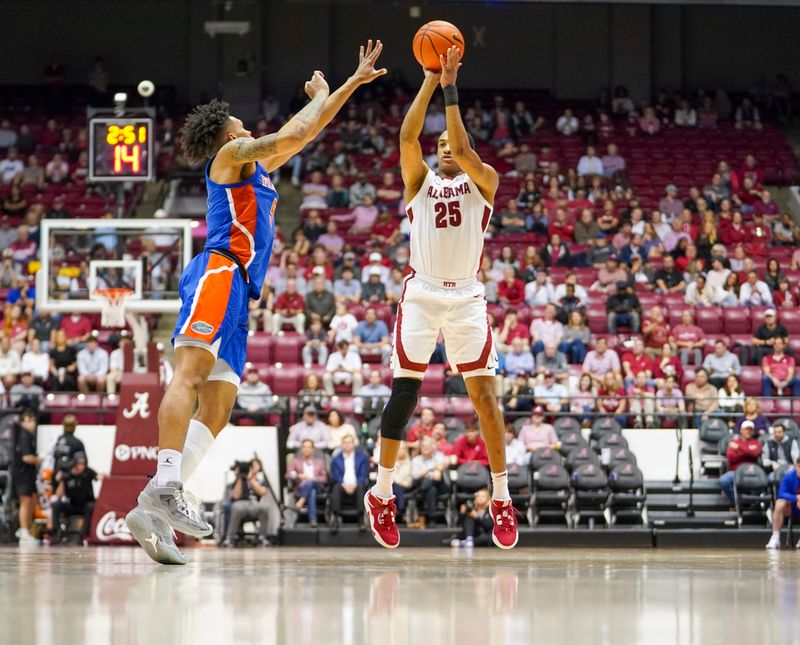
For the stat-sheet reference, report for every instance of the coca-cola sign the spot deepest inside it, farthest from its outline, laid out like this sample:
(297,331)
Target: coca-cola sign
(111,528)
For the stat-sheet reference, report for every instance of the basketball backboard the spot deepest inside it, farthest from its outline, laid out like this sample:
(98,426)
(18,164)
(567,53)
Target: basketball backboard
(80,256)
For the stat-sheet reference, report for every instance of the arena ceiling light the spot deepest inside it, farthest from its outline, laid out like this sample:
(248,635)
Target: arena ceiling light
(227,27)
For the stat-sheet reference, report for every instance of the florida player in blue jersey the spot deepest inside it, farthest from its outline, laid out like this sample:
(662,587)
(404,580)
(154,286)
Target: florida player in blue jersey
(211,333)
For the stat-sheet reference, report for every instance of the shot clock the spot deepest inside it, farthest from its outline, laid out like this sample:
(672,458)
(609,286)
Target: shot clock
(120,149)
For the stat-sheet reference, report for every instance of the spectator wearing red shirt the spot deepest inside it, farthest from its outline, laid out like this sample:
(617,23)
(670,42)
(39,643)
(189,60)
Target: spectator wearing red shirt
(611,398)
(736,232)
(689,339)
(766,206)
(424,428)
(742,449)
(511,290)
(636,361)
(470,447)
(512,329)
(289,307)
(667,365)
(779,372)
(77,328)
(750,169)
(656,332)
(560,225)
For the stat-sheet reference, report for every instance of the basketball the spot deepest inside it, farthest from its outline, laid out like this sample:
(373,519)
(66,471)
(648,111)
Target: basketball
(434,39)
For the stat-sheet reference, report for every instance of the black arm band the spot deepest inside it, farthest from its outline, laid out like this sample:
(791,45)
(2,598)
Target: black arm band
(450,95)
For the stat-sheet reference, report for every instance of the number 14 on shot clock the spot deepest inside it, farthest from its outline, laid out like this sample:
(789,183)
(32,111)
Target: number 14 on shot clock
(121,149)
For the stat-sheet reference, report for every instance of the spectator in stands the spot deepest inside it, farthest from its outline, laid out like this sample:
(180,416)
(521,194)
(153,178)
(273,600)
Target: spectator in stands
(586,228)
(313,226)
(747,116)
(254,397)
(248,502)
(766,333)
(360,188)
(783,295)
(667,365)
(518,398)
(10,168)
(510,220)
(511,290)
(623,308)
(669,403)
(315,192)
(24,468)
(372,397)
(590,164)
(779,451)
(635,362)
(551,395)
(670,205)
(689,339)
(540,291)
(427,421)
(601,361)
(649,123)
(742,449)
(613,162)
(331,239)
(518,360)
(364,215)
(470,447)
(583,401)
(312,393)
(525,161)
(685,115)
(668,278)
(699,294)
(475,521)
(730,291)
(752,413)
(374,289)
(786,231)
(656,331)
(576,338)
(546,330)
(316,344)
(339,428)
(74,495)
(318,302)
(57,170)
(779,372)
(609,275)
(307,475)
(349,477)
(536,434)
(707,116)
(309,428)
(608,221)
(516,453)
(676,234)
(567,124)
(787,504)
(343,367)
(550,359)
(555,253)
(8,136)
(773,274)
(26,393)
(289,308)
(343,325)
(337,195)
(730,400)
(92,367)
(702,397)
(427,470)
(528,196)
(10,363)
(641,401)
(371,337)
(512,329)
(611,397)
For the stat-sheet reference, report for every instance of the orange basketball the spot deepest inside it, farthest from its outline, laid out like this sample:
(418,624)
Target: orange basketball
(433,39)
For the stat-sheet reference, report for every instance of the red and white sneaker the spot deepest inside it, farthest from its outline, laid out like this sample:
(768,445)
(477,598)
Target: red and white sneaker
(382,514)
(504,515)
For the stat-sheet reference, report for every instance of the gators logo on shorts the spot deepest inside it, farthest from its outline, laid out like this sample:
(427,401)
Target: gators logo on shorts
(202,328)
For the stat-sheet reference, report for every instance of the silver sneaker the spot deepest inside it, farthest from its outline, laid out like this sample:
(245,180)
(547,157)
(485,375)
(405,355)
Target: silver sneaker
(169,504)
(155,537)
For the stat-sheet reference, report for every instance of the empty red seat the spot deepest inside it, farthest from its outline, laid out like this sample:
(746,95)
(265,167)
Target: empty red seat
(286,349)
(434,380)
(735,320)
(436,403)
(751,380)
(345,405)
(259,348)
(462,408)
(790,318)
(287,379)
(708,319)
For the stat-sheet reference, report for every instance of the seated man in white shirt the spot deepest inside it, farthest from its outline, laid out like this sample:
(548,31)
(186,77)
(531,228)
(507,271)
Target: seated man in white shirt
(93,366)
(343,325)
(590,164)
(755,292)
(516,452)
(343,366)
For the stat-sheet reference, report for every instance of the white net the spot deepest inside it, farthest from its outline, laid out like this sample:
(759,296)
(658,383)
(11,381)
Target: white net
(113,311)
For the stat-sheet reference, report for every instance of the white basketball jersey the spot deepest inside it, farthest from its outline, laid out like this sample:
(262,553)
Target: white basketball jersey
(448,220)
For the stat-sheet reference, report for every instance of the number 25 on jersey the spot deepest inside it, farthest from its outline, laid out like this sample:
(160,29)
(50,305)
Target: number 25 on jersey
(447,214)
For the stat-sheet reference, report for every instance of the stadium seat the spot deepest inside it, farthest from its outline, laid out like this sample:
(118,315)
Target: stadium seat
(751,380)
(433,383)
(709,319)
(287,347)
(735,320)
(259,348)
(752,494)
(627,494)
(579,456)
(790,318)
(551,494)
(589,493)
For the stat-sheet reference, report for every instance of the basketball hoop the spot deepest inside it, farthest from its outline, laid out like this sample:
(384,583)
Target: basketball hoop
(113,311)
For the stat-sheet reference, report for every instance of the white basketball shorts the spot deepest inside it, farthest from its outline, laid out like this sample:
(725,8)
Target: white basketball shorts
(458,308)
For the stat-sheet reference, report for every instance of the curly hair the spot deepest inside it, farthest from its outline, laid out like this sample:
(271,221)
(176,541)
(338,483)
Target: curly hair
(200,133)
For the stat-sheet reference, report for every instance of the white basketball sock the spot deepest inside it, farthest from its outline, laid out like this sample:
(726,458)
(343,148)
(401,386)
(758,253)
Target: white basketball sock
(169,467)
(383,485)
(500,486)
(198,440)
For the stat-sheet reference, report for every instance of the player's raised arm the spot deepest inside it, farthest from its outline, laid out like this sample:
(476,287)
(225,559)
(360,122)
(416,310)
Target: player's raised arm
(365,73)
(484,176)
(412,166)
(287,141)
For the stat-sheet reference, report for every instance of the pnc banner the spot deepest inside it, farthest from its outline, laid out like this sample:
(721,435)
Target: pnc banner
(136,445)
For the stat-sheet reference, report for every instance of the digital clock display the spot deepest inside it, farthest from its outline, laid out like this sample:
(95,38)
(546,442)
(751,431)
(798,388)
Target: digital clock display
(120,149)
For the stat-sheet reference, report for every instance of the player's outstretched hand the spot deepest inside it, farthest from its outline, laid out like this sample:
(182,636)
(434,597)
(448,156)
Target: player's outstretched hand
(431,76)
(317,84)
(366,72)
(450,64)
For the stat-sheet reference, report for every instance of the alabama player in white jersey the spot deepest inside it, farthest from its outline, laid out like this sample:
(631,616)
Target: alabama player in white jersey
(449,213)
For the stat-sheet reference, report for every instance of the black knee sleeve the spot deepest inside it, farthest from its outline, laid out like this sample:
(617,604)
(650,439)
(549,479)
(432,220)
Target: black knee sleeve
(401,405)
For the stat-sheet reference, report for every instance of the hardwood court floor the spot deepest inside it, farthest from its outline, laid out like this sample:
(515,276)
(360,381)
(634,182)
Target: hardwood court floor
(101,596)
